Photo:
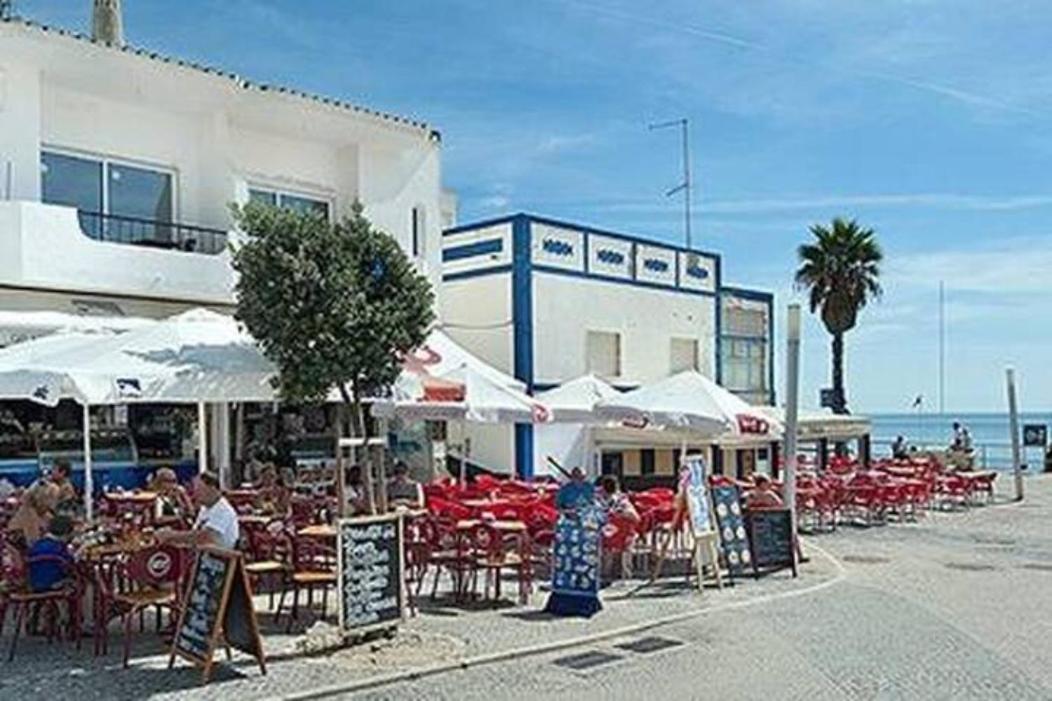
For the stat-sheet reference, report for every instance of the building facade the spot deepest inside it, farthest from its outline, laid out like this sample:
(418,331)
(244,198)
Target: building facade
(118,167)
(549,301)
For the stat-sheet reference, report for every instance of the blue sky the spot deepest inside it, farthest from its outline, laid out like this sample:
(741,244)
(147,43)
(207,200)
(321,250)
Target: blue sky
(928,120)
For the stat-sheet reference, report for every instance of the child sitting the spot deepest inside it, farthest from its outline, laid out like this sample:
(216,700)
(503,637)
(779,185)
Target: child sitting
(49,557)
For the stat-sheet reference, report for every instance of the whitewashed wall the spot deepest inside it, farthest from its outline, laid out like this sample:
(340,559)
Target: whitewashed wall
(566,308)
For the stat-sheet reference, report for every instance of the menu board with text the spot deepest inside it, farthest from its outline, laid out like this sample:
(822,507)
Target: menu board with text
(371,572)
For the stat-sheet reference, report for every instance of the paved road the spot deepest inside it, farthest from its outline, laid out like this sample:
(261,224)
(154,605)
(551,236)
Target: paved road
(956,606)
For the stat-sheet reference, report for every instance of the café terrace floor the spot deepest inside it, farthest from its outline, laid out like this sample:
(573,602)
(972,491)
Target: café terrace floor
(926,555)
(444,632)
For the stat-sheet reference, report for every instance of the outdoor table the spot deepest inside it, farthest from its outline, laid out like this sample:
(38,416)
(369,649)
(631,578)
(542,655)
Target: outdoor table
(136,498)
(318,531)
(502,526)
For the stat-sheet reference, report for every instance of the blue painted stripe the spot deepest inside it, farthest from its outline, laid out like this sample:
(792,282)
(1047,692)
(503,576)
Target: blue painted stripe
(470,250)
(522,334)
(476,272)
(623,281)
(462,228)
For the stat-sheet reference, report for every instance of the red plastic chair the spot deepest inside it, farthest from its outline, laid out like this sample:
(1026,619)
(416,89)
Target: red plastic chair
(16,592)
(148,578)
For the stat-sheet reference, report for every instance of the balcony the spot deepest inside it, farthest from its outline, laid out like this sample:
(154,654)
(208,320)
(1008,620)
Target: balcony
(172,236)
(55,248)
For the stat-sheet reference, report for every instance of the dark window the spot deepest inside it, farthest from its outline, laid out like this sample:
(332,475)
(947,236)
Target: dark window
(613,464)
(297,203)
(646,461)
(71,181)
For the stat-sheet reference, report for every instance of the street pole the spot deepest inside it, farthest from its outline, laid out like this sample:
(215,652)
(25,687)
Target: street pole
(1013,424)
(792,400)
(942,348)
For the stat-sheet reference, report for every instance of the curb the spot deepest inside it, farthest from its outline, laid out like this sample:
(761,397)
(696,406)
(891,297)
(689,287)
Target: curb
(534,650)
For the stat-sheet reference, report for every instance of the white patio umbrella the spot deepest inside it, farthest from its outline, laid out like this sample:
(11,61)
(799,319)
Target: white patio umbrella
(574,401)
(690,401)
(191,358)
(485,401)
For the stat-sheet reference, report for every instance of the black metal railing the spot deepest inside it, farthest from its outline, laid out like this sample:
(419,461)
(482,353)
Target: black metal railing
(172,236)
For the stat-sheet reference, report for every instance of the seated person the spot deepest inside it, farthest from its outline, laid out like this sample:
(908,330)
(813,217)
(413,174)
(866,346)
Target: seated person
(355,495)
(615,501)
(216,524)
(49,557)
(66,497)
(763,495)
(273,494)
(899,451)
(35,508)
(173,503)
(403,490)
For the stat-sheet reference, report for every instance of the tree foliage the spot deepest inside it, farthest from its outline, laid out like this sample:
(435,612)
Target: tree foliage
(840,269)
(332,305)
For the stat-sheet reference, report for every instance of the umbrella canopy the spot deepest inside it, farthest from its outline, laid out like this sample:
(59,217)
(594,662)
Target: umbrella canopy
(485,401)
(196,356)
(574,401)
(690,401)
(813,425)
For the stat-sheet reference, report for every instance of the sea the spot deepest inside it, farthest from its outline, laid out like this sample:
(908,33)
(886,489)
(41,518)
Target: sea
(991,435)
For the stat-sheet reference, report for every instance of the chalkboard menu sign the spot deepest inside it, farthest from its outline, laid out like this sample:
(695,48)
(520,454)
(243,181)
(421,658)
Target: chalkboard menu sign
(734,540)
(371,572)
(771,539)
(217,608)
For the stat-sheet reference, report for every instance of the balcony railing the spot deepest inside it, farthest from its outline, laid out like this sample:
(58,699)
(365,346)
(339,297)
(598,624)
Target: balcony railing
(150,233)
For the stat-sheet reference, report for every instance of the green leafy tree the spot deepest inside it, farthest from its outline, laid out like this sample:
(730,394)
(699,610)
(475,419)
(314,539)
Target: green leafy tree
(333,306)
(840,269)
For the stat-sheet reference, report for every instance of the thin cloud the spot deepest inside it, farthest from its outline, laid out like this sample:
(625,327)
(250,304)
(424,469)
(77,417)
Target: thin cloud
(930,200)
(942,90)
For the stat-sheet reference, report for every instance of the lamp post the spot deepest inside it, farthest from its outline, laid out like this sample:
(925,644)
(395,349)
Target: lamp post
(792,400)
(1013,426)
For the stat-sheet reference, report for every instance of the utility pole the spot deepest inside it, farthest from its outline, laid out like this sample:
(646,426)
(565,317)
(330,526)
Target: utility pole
(1013,426)
(792,403)
(685,186)
(942,348)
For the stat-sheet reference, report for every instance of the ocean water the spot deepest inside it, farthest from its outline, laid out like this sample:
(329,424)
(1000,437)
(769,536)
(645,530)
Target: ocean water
(991,435)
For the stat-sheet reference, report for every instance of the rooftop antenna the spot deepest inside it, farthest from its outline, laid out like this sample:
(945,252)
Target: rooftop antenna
(684,186)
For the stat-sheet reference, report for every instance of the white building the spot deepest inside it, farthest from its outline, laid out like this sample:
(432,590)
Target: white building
(118,166)
(549,301)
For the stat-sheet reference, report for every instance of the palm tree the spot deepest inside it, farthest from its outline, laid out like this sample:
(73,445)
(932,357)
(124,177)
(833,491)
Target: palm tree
(840,269)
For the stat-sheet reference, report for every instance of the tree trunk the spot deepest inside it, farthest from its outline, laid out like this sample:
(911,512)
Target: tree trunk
(360,432)
(840,396)
(341,468)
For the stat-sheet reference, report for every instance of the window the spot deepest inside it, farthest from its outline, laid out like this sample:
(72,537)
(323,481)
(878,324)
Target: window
(418,231)
(684,354)
(646,461)
(97,185)
(297,203)
(603,353)
(745,364)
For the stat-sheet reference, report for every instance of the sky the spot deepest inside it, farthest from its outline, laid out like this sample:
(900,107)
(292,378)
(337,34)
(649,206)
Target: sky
(927,120)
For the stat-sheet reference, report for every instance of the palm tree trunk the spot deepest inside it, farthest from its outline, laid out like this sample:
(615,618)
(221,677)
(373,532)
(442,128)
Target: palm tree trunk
(840,397)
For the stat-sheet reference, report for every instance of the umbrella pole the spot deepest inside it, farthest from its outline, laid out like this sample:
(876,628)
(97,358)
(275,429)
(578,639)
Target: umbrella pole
(202,438)
(88,482)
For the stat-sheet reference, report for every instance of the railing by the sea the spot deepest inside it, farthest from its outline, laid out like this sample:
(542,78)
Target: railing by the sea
(991,455)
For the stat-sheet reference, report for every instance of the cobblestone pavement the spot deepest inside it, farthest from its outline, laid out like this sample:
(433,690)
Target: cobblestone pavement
(953,606)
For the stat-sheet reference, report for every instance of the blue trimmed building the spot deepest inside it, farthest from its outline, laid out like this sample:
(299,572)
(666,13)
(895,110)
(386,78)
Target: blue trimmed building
(548,301)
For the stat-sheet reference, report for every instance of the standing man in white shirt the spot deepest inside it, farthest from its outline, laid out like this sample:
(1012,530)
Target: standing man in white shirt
(216,523)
